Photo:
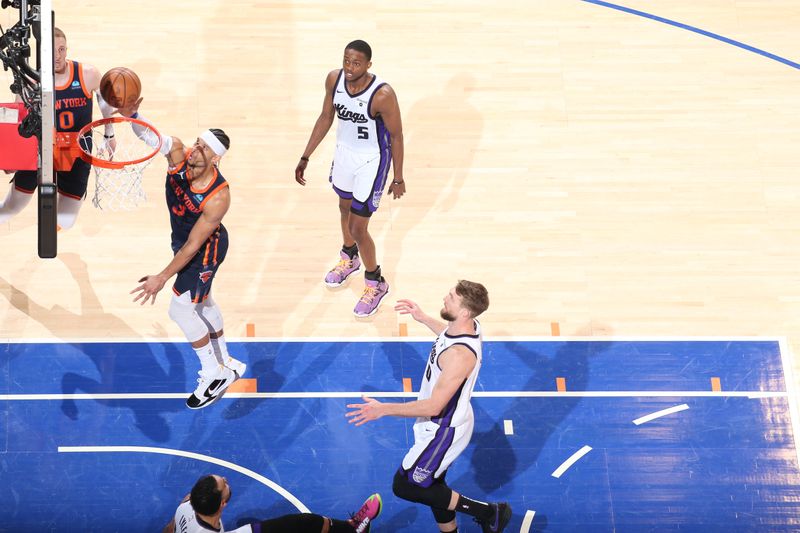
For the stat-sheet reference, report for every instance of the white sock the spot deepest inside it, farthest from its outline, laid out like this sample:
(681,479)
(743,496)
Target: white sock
(222,347)
(67,211)
(14,202)
(207,358)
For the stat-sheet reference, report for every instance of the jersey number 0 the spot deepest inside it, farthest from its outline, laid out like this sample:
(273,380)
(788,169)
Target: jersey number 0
(66,120)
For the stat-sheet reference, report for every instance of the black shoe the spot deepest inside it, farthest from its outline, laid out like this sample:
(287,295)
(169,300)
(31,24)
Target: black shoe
(210,387)
(500,518)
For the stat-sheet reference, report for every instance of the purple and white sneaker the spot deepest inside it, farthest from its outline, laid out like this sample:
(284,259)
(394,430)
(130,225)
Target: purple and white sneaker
(342,270)
(374,291)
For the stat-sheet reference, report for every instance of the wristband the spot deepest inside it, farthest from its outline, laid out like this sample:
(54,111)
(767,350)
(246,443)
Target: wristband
(303,158)
(398,182)
(109,136)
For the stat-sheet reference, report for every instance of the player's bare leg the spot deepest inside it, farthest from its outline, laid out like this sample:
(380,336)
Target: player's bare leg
(358,229)
(344,220)
(349,260)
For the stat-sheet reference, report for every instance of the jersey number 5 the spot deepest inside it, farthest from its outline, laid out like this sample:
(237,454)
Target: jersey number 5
(363,132)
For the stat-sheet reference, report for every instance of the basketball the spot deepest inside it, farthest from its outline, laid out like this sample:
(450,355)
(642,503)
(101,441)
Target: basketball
(120,87)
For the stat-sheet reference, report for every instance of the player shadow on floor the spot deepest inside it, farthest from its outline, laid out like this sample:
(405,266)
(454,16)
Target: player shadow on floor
(21,302)
(260,367)
(266,371)
(412,359)
(404,517)
(118,370)
(449,150)
(494,461)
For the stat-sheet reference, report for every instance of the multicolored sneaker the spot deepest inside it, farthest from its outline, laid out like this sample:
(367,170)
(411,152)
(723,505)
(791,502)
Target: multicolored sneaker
(368,512)
(210,387)
(342,270)
(374,291)
(500,518)
(237,366)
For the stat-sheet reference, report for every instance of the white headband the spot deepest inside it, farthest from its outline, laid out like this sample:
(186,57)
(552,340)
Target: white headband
(213,143)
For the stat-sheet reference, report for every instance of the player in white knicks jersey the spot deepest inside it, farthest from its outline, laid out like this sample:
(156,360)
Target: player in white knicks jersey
(369,139)
(201,512)
(444,415)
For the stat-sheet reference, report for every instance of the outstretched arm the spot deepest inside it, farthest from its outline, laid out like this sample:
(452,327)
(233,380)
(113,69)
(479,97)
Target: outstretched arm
(171,147)
(321,127)
(208,222)
(457,363)
(408,307)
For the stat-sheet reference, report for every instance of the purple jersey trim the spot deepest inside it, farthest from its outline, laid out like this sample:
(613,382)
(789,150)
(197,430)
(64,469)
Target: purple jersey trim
(342,194)
(359,93)
(371,98)
(432,457)
(384,145)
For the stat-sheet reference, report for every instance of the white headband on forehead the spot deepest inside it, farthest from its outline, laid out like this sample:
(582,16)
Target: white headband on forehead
(213,143)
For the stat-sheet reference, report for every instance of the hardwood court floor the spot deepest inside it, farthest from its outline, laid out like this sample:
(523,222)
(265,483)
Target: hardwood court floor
(596,169)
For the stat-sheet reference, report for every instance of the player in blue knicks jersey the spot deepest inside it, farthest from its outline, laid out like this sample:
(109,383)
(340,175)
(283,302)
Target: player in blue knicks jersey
(197,198)
(369,139)
(444,418)
(76,87)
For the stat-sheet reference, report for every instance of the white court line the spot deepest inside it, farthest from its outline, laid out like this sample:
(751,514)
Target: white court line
(191,455)
(571,461)
(627,394)
(757,395)
(359,394)
(659,414)
(174,395)
(527,521)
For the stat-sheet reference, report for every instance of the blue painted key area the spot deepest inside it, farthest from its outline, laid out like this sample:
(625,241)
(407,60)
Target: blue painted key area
(727,463)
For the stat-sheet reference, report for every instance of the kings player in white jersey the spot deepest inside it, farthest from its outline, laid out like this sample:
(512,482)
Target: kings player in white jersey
(444,415)
(201,512)
(369,139)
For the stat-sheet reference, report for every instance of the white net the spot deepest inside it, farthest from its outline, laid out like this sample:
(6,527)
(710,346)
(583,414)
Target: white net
(119,188)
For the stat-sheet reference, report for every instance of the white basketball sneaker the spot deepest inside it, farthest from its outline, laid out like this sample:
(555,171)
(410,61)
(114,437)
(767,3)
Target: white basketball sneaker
(237,366)
(210,386)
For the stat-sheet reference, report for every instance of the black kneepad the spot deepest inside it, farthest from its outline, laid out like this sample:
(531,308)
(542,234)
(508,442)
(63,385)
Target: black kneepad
(443,516)
(401,487)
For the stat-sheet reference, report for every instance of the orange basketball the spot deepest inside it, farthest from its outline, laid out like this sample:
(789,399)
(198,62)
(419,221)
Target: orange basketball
(120,87)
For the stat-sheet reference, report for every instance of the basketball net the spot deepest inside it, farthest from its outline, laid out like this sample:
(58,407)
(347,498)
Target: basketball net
(118,171)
